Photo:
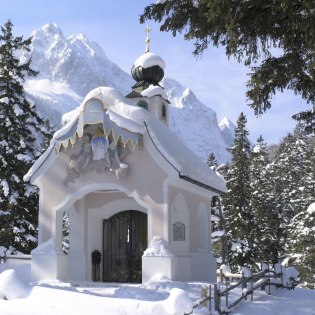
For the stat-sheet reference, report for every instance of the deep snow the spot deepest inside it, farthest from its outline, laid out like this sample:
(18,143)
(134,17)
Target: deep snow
(157,297)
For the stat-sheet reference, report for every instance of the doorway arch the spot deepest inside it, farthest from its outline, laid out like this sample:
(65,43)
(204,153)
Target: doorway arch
(125,237)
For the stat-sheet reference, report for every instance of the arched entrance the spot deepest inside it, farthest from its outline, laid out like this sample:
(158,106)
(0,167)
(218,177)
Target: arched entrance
(124,241)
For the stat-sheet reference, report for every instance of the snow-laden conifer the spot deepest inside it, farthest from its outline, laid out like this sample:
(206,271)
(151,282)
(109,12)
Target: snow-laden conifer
(22,134)
(237,202)
(263,207)
(301,228)
(301,250)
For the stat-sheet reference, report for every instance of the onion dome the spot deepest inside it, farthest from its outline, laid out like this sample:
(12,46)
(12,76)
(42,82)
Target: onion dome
(152,75)
(148,69)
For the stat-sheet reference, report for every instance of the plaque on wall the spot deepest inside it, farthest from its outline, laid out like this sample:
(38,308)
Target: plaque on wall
(178,231)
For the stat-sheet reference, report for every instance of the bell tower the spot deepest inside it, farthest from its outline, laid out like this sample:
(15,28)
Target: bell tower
(148,71)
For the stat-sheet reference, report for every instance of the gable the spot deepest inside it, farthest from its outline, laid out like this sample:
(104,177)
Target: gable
(93,113)
(122,126)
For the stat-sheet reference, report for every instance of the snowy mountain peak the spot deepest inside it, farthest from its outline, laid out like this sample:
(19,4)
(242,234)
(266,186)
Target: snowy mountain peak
(226,123)
(195,123)
(227,130)
(49,29)
(78,36)
(47,33)
(189,96)
(175,89)
(184,98)
(71,60)
(73,66)
(82,43)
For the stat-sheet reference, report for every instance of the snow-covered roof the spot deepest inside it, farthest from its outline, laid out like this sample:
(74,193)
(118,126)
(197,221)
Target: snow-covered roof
(114,102)
(148,60)
(153,90)
(181,157)
(108,105)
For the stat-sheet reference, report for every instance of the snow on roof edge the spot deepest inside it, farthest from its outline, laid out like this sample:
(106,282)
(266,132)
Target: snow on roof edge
(154,90)
(116,104)
(150,59)
(38,163)
(189,166)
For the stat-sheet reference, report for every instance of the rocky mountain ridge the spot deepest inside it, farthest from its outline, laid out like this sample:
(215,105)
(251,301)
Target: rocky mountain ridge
(72,66)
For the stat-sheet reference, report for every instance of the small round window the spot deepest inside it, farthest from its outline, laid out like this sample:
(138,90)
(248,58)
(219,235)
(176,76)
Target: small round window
(143,104)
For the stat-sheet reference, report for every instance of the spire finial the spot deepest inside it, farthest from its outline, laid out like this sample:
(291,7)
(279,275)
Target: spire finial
(147,40)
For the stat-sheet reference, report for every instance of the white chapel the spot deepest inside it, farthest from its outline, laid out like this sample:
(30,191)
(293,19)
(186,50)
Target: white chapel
(132,192)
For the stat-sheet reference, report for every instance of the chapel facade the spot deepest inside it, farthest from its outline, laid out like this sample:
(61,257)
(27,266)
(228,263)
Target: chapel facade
(129,188)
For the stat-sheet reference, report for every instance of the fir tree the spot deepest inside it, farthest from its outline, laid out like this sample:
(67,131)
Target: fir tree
(300,230)
(303,151)
(301,250)
(289,179)
(239,218)
(218,230)
(65,232)
(212,161)
(278,176)
(292,169)
(309,190)
(249,31)
(21,137)
(263,208)
(218,225)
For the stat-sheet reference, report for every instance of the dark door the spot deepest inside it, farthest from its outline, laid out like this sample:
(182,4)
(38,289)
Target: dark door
(125,240)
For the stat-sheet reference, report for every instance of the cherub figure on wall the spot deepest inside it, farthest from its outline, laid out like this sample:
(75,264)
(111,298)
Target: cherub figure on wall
(98,152)
(121,169)
(113,156)
(85,155)
(72,170)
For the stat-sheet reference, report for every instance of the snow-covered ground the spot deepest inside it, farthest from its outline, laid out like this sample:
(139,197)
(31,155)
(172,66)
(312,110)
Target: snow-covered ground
(157,297)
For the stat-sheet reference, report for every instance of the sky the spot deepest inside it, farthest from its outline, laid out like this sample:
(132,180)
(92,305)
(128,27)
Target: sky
(218,82)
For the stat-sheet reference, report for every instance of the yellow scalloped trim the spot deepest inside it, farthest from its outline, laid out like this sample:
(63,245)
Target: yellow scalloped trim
(72,140)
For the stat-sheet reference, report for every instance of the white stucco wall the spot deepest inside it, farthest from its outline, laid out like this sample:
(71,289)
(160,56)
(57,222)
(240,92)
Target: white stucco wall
(143,183)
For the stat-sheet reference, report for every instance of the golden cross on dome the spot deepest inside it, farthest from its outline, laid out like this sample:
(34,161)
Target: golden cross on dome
(147,40)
